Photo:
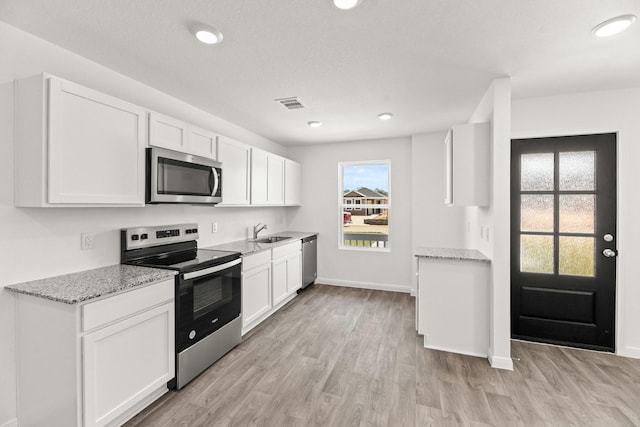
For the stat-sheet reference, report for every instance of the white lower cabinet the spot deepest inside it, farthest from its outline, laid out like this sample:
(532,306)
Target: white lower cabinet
(270,279)
(287,270)
(453,305)
(256,288)
(94,364)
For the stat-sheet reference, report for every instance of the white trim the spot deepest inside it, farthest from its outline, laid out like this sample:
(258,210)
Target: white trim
(11,423)
(633,352)
(364,285)
(497,362)
(413,292)
(449,350)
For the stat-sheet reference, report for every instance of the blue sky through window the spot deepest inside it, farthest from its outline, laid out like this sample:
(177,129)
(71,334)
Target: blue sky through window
(371,176)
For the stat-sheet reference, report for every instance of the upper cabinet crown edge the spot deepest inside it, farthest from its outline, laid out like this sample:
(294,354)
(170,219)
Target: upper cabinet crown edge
(77,147)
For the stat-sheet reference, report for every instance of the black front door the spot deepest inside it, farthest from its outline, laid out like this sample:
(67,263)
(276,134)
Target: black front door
(563,240)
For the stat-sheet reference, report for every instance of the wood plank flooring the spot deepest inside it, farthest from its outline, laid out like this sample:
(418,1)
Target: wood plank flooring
(351,357)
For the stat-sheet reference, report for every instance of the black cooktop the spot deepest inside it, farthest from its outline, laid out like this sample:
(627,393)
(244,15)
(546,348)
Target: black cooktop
(188,259)
(194,260)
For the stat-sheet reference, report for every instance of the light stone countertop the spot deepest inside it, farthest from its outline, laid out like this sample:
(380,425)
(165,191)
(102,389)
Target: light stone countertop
(451,254)
(90,284)
(247,247)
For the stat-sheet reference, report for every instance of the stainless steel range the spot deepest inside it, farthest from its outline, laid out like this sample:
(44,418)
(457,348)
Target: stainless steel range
(208,292)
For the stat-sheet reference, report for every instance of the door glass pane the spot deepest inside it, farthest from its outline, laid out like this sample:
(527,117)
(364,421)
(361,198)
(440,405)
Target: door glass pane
(576,256)
(577,213)
(536,212)
(536,254)
(577,171)
(537,172)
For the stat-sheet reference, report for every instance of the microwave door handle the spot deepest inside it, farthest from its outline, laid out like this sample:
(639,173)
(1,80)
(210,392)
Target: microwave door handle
(216,181)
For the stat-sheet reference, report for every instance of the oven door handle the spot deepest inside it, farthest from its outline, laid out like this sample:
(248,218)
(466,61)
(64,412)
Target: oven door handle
(204,272)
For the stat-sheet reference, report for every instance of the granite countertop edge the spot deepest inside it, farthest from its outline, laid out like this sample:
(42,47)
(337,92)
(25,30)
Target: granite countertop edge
(451,254)
(247,247)
(91,284)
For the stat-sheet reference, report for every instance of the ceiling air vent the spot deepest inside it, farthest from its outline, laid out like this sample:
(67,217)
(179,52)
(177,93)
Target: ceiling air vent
(292,103)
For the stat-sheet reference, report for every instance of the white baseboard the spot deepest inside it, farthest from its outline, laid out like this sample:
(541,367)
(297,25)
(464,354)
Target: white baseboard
(496,362)
(633,352)
(364,285)
(10,423)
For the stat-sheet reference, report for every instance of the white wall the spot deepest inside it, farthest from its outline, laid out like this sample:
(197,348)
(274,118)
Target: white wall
(600,112)
(39,242)
(319,212)
(433,224)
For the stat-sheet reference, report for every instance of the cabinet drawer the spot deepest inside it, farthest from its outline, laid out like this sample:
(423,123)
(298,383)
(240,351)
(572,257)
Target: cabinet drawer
(105,311)
(288,249)
(255,260)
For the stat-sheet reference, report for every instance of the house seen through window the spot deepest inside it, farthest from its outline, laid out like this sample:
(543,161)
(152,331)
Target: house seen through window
(364,205)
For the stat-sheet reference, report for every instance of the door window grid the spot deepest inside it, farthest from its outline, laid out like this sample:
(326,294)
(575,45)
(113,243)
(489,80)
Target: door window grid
(557,205)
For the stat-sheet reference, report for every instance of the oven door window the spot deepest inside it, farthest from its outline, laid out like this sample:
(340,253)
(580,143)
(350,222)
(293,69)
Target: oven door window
(207,303)
(182,178)
(210,295)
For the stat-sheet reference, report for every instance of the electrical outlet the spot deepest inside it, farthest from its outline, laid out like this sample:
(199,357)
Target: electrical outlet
(87,241)
(214,227)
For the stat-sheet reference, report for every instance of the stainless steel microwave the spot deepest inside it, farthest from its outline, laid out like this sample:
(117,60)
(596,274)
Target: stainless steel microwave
(174,177)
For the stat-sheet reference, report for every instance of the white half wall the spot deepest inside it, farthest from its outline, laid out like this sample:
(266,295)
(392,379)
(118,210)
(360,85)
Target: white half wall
(319,212)
(602,112)
(44,242)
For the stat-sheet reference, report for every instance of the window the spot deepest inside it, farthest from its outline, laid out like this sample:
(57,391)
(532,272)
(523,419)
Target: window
(364,191)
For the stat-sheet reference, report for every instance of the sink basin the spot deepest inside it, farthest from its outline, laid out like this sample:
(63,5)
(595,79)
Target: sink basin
(272,239)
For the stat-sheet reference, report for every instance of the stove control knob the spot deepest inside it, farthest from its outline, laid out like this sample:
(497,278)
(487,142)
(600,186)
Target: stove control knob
(135,237)
(192,335)
(144,236)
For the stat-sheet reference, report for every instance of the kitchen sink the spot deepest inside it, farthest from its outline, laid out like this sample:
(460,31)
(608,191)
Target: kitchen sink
(272,239)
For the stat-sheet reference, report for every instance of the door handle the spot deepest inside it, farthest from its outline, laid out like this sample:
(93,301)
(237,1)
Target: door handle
(609,253)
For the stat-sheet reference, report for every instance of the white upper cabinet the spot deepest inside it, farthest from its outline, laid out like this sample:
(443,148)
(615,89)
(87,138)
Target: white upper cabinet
(202,143)
(236,159)
(76,147)
(267,178)
(167,132)
(467,165)
(292,177)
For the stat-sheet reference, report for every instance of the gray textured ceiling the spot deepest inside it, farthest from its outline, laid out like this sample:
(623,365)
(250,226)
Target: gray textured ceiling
(427,61)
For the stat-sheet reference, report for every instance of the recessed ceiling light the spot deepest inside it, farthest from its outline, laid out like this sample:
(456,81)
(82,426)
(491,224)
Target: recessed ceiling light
(613,26)
(346,4)
(314,124)
(385,116)
(207,35)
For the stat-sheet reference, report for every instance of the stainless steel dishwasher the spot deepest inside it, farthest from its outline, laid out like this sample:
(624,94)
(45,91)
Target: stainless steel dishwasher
(309,260)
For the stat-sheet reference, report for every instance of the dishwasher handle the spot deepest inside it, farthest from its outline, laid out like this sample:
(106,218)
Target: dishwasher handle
(309,239)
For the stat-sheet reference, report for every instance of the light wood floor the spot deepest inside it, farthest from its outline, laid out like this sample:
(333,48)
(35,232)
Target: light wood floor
(351,357)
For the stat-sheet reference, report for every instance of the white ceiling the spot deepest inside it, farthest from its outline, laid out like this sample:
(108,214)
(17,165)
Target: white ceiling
(426,61)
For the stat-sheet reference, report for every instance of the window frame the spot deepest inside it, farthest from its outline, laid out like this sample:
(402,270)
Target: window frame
(343,206)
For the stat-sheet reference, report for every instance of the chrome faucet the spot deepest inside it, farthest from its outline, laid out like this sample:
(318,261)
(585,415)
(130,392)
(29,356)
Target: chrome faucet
(258,228)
